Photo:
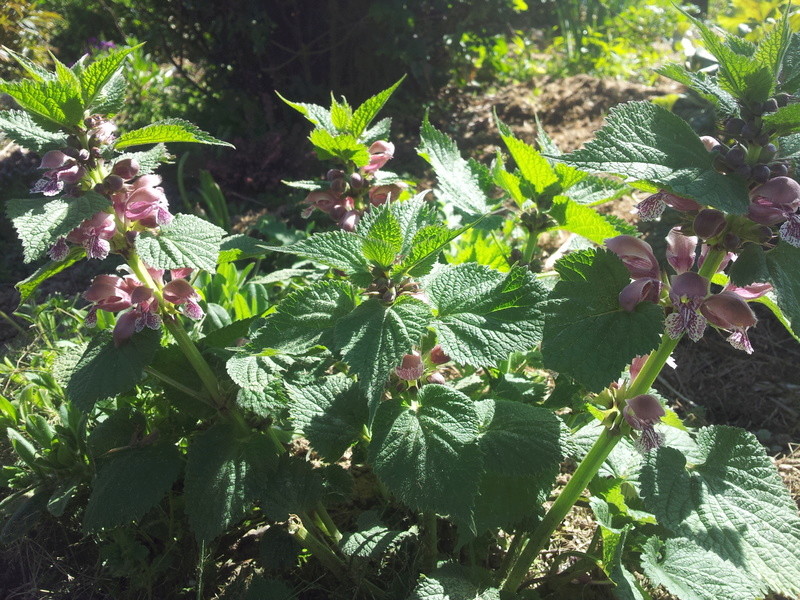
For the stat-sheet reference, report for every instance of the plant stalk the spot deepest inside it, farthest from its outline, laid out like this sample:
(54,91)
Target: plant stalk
(196,359)
(595,458)
(430,548)
(330,527)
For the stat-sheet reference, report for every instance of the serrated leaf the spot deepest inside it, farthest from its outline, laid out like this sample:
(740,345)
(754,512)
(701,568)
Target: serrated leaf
(591,190)
(372,543)
(168,130)
(374,337)
(383,240)
(129,483)
(41,221)
(785,120)
(642,141)
(188,241)
(341,115)
(451,582)
(534,167)
(459,184)
(510,182)
(331,413)
(225,471)
(380,131)
(750,266)
(411,215)
(27,286)
(587,335)
(580,219)
(263,403)
(483,315)
(704,85)
(254,373)
(111,98)
(782,262)
(790,73)
(343,147)
(365,113)
(692,573)
(35,72)
(730,502)
(104,370)
(428,456)
(149,160)
(336,249)
(239,246)
(304,318)
(294,486)
(318,115)
(95,77)
(426,246)
(19,127)
(772,47)
(53,101)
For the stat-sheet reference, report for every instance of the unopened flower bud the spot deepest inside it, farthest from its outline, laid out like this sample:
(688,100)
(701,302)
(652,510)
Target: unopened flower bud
(113,183)
(338,186)
(709,142)
(334,174)
(761,173)
(411,368)
(736,155)
(437,377)
(349,221)
(639,290)
(744,171)
(356,181)
(53,160)
(731,242)
(127,168)
(778,190)
(438,356)
(770,106)
(734,126)
(709,223)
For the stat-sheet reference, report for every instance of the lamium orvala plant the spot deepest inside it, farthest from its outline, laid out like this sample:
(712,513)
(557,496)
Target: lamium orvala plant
(402,410)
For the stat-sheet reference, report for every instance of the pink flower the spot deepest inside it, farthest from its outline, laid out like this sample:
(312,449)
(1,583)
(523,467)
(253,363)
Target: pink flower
(94,235)
(62,170)
(652,207)
(642,413)
(380,153)
(636,254)
(687,293)
(680,250)
(729,311)
(181,293)
(640,290)
(143,201)
(411,368)
(777,201)
(383,193)
(749,292)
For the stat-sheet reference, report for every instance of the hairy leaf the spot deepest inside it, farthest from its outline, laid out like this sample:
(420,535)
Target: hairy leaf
(427,455)
(534,167)
(644,142)
(483,314)
(459,183)
(782,264)
(705,86)
(730,502)
(98,74)
(19,127)
(331,413)
(365,113)
(188,241)
(336,249)
(129,483)
(785,120)
(343,147)
(53,101)
(587,335)
(41,221)
(168,130)
(583,220)
(28,285)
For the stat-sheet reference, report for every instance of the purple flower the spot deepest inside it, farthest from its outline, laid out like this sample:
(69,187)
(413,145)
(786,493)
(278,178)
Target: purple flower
(777,201)
(687,292)
(636,254)
(640,290)
(62,170)
(652,207)
(94,235)
(729,311)
(680,250)
(181,293)
(411,368)
(642,413)
(380,153)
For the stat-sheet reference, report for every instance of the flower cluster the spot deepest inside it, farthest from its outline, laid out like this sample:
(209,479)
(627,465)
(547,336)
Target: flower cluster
(114,294)
(413,366)
(348,196)
(692,307)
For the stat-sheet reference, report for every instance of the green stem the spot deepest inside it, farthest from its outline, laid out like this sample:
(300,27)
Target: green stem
(530,246)
(592,462)
(330,527)
(585,472)
(178,385)
(196,359)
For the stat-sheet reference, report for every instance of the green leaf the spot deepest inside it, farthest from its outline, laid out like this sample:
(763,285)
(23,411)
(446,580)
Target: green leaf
(19,127)
(35,72)
(451,582)
(521,451)
(591,190)
(730,501)
(53,101)
(28,285)
(772,47)
(372,541)
(427,455)
(782,264)
(341,115)
(238,246)
(510,182)
(383,239)
(263,403)
(692,573)
(459,183)
(426,246)
(365,113)
(705,86)
(95,77)
(41,221)
(770,301)
(336,249)
(790,73)
(482,315)
(343,147)
(168,130)
(295,486)
(374,337)
(785,120)
(318,115)
(411,215)
(188,241)
(750,266)
(129,483)
(534,167)
(644,142)
(105,370)
(380,131)
(305,318)
(111,98)
(24,449)
(254,373)
(580,219)
(149,160)
(331,413)
(587,335)
(225,470)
